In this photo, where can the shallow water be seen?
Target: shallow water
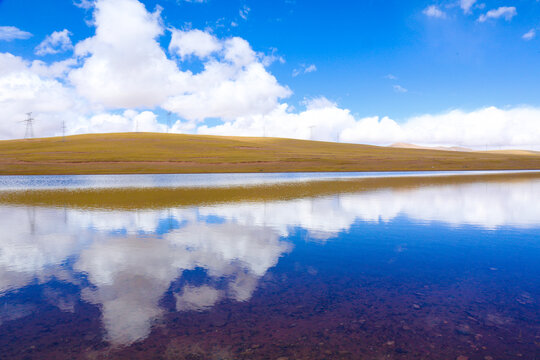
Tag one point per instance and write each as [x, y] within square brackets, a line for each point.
[433, 272]
[25, 182]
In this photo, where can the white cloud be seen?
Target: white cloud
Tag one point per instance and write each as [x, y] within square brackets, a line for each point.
[57, 69]
[506, 12]
[466, 5]
[130, 120]
[312, 123]
[24, 89]
[234, 81]
[390, 77]
[124, 66]
[434, 11]
[238, 52]
[55, 43]
[34, 87]
[193, 42]
[399, 89]
[235, 84]
[11, 64]
[529, 35]
[9, 33]
[493, 127]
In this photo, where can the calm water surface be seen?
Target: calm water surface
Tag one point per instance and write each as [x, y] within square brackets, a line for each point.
[10, 182]
[434, 272]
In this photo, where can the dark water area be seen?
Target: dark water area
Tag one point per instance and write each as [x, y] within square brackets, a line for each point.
[435, 272]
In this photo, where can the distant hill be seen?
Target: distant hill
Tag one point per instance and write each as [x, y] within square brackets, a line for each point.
[124, 153]
[515, 152]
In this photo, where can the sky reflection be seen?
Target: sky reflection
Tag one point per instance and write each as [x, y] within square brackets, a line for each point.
[125, 261]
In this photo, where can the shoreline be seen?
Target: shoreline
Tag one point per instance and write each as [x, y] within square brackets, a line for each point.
[397, 171]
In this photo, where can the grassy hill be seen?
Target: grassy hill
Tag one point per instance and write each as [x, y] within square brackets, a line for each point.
[124, 153]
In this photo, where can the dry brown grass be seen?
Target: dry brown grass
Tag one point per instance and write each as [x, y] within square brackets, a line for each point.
[131, 153]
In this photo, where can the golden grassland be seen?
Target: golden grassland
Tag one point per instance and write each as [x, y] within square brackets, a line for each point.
[138, 153]
[159, 198]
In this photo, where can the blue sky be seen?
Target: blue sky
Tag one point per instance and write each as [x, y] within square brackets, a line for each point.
[395, 59]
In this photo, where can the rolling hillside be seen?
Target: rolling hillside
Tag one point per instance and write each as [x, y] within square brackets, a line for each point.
[124, 153]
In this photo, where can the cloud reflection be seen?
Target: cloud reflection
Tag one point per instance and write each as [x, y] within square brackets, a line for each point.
[131, 258]
[487, 205]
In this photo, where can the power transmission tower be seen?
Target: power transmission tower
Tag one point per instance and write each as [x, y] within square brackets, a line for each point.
[311, 132]
[63, 131]
[168, 121]
[29, 121]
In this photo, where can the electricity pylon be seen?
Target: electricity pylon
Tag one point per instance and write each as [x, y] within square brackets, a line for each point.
[29, 121]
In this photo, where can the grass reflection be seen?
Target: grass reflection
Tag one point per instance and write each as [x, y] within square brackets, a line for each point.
[158, 198]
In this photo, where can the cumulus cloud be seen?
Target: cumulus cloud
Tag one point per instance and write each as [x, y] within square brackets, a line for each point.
[529, 35]
[193, 42]
[9, 33]
[58, 69]
[23, 90]
[124, 65]
[34, 87]
[130, 120]
[434, 11]
[506, 12]
[55, 43]
[234, 83]
[490, 126]
[309, 124]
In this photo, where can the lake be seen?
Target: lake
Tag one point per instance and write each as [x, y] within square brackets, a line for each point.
[420, 268]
